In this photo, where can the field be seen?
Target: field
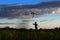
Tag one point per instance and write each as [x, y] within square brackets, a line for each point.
[24, 34]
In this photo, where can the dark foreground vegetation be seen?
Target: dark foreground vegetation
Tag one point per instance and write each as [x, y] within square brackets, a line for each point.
[24, 34]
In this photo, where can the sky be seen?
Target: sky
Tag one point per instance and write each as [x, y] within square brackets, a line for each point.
[44, 20]
[22, 1]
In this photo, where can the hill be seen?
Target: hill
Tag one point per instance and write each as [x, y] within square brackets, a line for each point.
[24, 34]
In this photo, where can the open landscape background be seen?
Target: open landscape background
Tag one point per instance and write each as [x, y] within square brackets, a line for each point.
[18, 23]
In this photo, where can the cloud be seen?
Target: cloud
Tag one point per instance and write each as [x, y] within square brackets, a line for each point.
[9, 13]
[57, 0]
[6, 23]
[43, 20]
[15, 11]
[24, 13]
[39, 5]
[48, 20]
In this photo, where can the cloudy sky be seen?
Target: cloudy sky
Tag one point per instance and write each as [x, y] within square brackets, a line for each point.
[22, 1]
[12, 15]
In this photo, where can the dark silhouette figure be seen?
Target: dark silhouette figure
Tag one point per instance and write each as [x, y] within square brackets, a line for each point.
[36, 25]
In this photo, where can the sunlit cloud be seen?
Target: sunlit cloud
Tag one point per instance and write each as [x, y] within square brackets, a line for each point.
[53, 12]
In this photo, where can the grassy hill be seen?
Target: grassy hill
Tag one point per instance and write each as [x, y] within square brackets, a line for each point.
[24, 34]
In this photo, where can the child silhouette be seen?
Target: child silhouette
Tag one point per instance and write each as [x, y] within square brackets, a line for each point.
[35, 25]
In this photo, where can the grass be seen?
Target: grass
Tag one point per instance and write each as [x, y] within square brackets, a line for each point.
[24, 34]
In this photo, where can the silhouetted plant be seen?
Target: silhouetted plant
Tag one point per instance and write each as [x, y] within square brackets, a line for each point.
[56, 28]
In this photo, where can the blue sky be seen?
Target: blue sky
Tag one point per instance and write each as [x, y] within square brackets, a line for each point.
[22, 1]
